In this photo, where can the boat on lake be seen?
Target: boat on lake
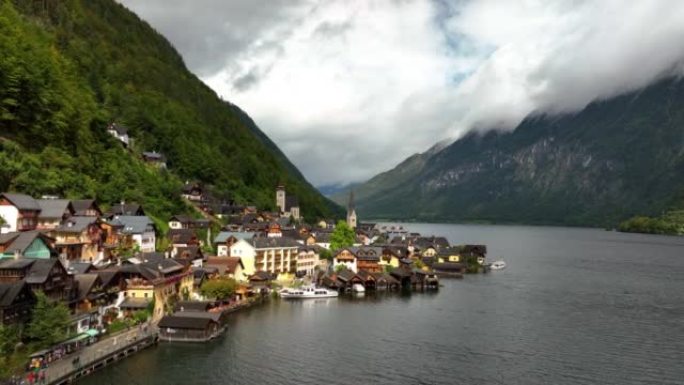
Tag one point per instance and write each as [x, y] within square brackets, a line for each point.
[307, 292]
[358, 288]
[498, 265]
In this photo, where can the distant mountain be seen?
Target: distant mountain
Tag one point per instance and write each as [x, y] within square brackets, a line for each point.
[70, 68]
[333, 190]
[612, 160]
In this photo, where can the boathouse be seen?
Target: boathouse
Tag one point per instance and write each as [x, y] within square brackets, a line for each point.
[190, 326]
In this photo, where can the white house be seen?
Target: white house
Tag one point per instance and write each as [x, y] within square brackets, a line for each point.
[247, 253]
[345, 257]
[119, 132]
[19, 212]
[141, 229]
[225, 239]
[307, 260]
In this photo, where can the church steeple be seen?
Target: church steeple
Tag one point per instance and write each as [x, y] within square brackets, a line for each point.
[351, 211]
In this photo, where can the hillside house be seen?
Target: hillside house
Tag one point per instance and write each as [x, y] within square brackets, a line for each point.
[154, 159]
[79, 239]
[19, 211]
[27, 244]
[46, 275]
[120, 133]
[53, 212]
[141, 230]
[86, 208]
[16, 303]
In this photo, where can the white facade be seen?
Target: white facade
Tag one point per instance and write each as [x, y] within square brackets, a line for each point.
[10, 215]
[280, 198]
[123, 138]
[146, 241]
[307, 262]
[175, 225]
[351, 265]
[247, 253]
[223, 251]
[277, 260]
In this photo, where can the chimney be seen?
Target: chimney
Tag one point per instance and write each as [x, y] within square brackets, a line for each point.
[16, 254]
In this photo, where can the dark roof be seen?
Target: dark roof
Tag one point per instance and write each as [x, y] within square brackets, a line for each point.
[80, 267]
[436, 242]
[86, 282]
[107, 277]
[76, 224]
[20, 241]
[132, 209]
[185, 322]
[153, 256]
[10, 291]
[182, 218]
[134, 224]
[153, 269]
[22, 201]
[181, 236]
[40, 270]
[121, 130]
[261, 276]
[135, 303]
[54, 208]
[82, 205]
[154, 156]
[274, 242]
[225, 265]
[290, 202]
[189, 252]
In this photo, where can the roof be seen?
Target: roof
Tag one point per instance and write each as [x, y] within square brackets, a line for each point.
[54, 208]
[261, 276]
[182, 218]
[135, 303]
[10, 291]
[40, 270]
[225, 265]
[22, 201]
[82, 205]
[152, 155]
[80, 267]
[189, 252]
[181, 322]
[20, 241]
[121, 130]
[214, 316]
[77, 224]
[223, 236]
[136, 224]
[86, 282]
[107, 277]
[274, 242]
[181, 236]
[132, 209]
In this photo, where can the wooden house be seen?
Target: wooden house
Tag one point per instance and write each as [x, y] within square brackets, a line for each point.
[53, 212]
[28, 244]
[79, 238]
[46, 275]
[16, 302]
[19, 211]
[86, 208]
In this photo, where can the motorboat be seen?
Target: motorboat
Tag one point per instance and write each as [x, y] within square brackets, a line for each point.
[358, 288]
[307, 292]
[498, 265]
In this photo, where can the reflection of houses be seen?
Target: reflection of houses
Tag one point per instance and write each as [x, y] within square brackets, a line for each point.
[16, 302]
[28, 244]
[157, 280]
[46, 275]
[78, 238]
[53, 212]
[19, 211]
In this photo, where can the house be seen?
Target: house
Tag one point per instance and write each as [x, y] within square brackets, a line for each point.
[86, 208]
[225, 239]
[190, 326]
[308, 259]
[46, 275]
[193, 192]
[274, 230]
[119, 132]
[391, 255]
[19, 211]
[181, 222]
[188, 255]
[79, 239]
[91, 294]
[141, 229]
[155, 281]
[275, 255]
[129, 209]
[182, 237]
[345, 257]
[244, 249]
[53, 212]
[155, 159]
[112, 239]
[323, 239]
[231, 267]
[16, 302]
[28, 244]
[368, 259]
[260, 280]
[385, 281]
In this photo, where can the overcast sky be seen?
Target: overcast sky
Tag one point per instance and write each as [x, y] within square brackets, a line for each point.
[349, 88]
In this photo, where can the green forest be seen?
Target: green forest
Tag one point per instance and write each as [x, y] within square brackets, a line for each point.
[70, 68]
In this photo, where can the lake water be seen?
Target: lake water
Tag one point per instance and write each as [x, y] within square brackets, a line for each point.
[574, 306]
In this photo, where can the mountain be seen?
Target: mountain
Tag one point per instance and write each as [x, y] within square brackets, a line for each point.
[70, 68]
[614, 159]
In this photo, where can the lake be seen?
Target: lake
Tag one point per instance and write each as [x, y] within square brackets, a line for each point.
[574, 306]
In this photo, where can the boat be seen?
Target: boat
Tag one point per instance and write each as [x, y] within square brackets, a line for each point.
[498, 265]
[358, 288]
[307, 292]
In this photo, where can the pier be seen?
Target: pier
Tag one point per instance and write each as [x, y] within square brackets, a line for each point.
[100, 354]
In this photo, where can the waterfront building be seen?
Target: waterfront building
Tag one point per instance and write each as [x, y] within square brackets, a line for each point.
[275, 255]
[308, 259]
[345, 257]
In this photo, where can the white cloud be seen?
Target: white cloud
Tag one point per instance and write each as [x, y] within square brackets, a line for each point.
[350, 88]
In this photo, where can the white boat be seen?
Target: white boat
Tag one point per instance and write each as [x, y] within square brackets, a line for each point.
[498, 265]
[307, 292]
[358, 288]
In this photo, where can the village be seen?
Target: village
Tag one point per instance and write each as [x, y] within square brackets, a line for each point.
[116, 269]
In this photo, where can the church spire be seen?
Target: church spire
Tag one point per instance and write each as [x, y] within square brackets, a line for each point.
[351, 206]
[351, 211]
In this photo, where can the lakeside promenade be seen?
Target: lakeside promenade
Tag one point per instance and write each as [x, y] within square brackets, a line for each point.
[98, 354]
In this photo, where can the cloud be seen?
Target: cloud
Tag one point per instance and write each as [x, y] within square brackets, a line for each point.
[350, 88]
